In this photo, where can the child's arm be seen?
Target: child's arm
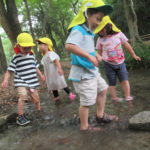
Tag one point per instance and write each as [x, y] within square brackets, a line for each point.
[78, 51]
[129, 49]
[58, 65]
[40, 74]
[99, 57]
[6, 78]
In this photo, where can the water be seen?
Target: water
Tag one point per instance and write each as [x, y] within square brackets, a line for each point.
[49, 134]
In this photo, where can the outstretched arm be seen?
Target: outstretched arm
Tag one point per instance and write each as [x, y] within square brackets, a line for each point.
[6, 78]
[129, 49]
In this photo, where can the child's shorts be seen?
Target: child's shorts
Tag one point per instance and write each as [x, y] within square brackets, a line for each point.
[114, 71]
[28, 94]
[88, 89]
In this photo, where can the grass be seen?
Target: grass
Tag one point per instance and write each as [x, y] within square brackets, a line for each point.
[142, 50]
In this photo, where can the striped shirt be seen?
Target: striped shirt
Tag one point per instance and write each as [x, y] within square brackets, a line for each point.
[24, 67]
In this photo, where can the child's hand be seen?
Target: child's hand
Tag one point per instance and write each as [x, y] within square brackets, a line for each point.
[136, 57]
[42, 77]
[4, 84]
[60, 71]
[99, 58]
[93, 60]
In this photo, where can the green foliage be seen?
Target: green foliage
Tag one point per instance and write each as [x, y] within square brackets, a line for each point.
[142, 50]
[7, 47]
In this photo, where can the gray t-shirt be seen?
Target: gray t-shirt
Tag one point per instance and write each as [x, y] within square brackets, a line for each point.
[83, 37]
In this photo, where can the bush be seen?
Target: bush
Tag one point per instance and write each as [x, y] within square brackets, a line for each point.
[142, 50]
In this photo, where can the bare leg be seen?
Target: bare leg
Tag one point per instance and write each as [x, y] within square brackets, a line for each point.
[21, 107]
[112, 90]
[101, 100]
[36, 99]
[84, 114]
[126, 88]
[38, 106]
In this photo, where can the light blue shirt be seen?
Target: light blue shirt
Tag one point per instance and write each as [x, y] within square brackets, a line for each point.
[82, 68]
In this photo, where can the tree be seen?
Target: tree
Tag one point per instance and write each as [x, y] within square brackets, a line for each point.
[51, 19]
[131, 20]
[31, 28]
[9, 19]
[3, 62]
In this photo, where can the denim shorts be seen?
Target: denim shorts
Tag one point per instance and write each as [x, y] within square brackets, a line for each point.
[115, 71]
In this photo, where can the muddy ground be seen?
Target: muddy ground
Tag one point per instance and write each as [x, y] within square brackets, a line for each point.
[60, 128]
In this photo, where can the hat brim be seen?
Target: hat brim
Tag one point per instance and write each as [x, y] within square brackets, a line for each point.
[49, 47]
[27, 44]
[106, 9]
[40, 41]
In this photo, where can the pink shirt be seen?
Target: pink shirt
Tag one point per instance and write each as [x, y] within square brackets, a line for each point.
[111, 47]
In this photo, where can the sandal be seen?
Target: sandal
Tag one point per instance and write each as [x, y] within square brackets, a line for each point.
[129, 98]
[92, 129]
[106, 118]
[72, 96]
[117, 99]
[57, 101]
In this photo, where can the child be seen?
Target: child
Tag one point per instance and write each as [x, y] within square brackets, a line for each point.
[25, 68]
[109, 45]
[87, 81]
[52, 69]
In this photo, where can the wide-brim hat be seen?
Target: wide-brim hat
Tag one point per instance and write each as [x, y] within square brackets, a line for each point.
[97, 4]
[25, 40]
[103, 23]
[46, 41]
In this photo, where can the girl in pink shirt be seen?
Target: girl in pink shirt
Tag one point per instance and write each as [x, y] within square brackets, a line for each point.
[109, 46]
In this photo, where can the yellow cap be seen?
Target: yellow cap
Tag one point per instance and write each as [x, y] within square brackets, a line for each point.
[98, 4]
[103, 23]
[25, 40]
[47, 41]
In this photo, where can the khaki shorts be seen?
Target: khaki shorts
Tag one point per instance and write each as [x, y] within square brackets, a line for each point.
[28, 94]
[89, 89]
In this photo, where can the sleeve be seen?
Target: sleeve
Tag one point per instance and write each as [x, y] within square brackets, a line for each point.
[53, 56]
[75, 37]
[12, 66]
[123, 38]
[98, 44]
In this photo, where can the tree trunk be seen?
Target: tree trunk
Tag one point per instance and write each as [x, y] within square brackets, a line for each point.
[38, 55]
[9, 19]
[3, 62]
[131, 20]
[47, 27]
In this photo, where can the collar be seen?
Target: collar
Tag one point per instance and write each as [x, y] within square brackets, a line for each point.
[86, 28]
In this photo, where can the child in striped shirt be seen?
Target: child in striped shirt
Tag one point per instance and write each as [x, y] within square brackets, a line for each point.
[25, 68]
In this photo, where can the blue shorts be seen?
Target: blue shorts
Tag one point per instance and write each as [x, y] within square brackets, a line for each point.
[115, 71]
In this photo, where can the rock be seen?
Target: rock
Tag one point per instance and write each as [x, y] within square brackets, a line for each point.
[3, 125]
[140, 121]
[11, 119]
